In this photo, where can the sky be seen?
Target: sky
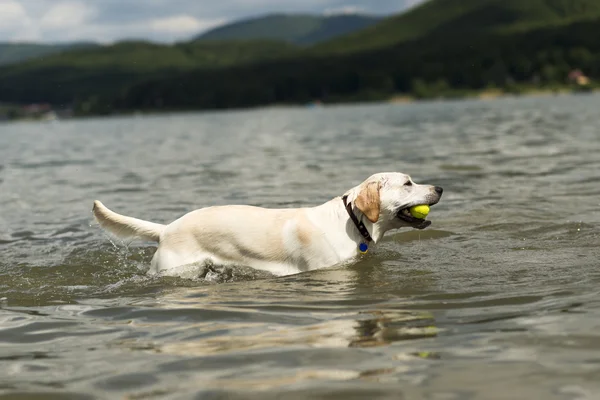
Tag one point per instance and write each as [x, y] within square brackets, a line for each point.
[107, 21]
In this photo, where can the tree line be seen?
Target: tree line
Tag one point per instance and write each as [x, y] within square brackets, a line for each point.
[443, 64]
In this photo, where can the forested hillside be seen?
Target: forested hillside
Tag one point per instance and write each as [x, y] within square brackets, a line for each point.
[441, 48]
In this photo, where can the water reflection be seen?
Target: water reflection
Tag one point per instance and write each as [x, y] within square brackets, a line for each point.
[323, 309]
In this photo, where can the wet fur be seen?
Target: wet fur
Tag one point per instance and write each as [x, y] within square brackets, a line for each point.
[280, 241]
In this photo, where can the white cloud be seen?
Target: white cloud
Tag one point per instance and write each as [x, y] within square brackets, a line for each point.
[11, 13]
[15, 23]
[75, 21]
[67, 15]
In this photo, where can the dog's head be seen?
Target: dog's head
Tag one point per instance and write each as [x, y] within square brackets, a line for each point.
[385, 198]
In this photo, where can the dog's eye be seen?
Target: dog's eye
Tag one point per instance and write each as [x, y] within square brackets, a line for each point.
[408, 183]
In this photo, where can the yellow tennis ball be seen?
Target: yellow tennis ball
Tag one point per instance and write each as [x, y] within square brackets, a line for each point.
[419, 211]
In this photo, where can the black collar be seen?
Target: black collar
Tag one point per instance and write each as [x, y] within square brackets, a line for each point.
[359, 225]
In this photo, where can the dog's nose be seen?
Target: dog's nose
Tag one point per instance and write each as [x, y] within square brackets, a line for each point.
[439, 190]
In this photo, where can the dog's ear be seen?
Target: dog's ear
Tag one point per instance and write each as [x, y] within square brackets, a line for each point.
[368, 201]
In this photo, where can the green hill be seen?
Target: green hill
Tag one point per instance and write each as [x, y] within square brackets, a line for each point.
[141, 56]
[454, 17]
[292, 28]
[11, 53]
[61, 78]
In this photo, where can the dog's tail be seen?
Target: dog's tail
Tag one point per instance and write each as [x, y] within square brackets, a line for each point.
[126, 227]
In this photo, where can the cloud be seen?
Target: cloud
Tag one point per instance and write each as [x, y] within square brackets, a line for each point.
[67, 15]
[11, 13]
[15, 24]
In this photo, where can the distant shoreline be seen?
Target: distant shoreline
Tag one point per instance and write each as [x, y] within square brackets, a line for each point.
[482, 95]
[493, 94]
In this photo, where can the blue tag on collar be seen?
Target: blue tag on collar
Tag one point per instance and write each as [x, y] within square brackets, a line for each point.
[363, 248]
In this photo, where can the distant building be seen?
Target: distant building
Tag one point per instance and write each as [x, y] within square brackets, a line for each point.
[36, 109]
[41, 111]
[577, 77]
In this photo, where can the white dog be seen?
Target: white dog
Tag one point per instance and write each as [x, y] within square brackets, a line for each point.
[281, 241]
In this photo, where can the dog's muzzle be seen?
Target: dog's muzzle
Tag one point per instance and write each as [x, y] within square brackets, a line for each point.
[419, 223]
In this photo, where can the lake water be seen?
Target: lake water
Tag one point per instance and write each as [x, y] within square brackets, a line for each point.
[498, 299]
